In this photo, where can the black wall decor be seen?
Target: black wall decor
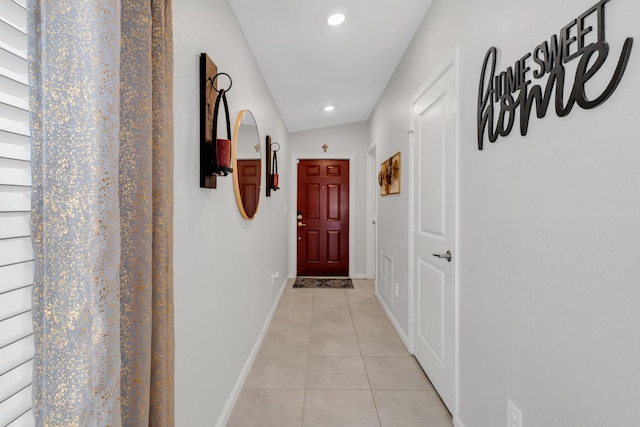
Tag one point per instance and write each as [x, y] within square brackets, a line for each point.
[502, 95]
[272, 166]
[215, 153]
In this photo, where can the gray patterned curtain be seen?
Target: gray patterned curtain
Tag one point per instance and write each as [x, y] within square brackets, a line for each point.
[101, 78]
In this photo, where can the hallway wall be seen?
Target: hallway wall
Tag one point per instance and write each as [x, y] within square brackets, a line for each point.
[342, 140]
[549, 224]
[223, 263]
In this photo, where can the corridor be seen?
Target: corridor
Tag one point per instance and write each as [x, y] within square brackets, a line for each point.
[332, 358]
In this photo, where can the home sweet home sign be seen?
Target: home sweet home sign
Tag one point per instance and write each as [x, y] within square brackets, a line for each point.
[516, 90]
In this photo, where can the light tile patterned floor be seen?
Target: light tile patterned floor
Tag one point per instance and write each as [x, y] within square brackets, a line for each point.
[332, 358]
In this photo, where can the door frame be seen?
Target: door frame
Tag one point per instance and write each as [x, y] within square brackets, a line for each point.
[371, 251]
[451, 61]
[293, 202]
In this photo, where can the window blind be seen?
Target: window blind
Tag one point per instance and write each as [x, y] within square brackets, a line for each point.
[16, 253]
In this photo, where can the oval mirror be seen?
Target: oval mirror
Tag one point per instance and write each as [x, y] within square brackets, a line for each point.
[246, 157]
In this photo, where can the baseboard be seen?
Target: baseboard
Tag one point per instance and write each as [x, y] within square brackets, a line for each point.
[237, 389]
[403, 336]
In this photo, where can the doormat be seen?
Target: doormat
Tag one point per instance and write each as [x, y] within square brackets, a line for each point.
[314, 282]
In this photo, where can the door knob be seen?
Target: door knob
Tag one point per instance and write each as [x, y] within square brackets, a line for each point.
[446, 256]
[300, 224]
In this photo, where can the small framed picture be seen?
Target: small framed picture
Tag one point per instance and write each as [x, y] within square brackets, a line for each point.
[389, 175]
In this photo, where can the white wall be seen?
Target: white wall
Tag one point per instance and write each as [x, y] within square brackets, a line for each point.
[549, 225]
[223, 263]
[342, 140]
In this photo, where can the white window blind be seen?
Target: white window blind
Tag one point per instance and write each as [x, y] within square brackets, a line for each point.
[16, 253]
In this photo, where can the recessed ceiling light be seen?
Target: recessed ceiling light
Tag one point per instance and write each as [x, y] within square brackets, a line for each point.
[336, 19]
[329, 108]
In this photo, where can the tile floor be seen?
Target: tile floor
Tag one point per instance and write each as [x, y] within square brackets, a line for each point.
[332, 358]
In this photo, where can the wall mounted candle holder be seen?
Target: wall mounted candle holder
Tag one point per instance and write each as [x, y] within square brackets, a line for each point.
[273, 183]
[215, 153]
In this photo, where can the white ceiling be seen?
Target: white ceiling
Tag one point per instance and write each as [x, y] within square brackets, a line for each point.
[308, 64]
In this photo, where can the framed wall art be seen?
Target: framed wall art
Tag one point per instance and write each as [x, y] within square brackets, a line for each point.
[389, 175]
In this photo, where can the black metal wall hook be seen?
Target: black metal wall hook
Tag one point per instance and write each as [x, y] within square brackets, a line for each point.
[213, 81]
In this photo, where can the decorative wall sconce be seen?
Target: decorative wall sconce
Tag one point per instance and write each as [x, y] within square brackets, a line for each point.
[215, 153]
[272, 166]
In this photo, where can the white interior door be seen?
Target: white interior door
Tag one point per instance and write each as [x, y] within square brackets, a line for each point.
[434, 233]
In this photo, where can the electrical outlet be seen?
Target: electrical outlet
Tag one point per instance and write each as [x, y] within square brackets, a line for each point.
[514, 415]
[395, 289]
[274, 276]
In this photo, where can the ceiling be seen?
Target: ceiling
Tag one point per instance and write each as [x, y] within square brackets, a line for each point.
[308, 64]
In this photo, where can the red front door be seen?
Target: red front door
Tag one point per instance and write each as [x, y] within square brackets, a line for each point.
[323, 218]
[249, 183]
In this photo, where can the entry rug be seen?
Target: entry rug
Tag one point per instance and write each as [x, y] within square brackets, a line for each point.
[314, 282]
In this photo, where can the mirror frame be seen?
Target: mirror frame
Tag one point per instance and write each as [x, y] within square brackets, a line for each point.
[236, 171]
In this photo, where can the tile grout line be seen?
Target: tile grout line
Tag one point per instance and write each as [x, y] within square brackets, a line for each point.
[366, 372]
[306, 369]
